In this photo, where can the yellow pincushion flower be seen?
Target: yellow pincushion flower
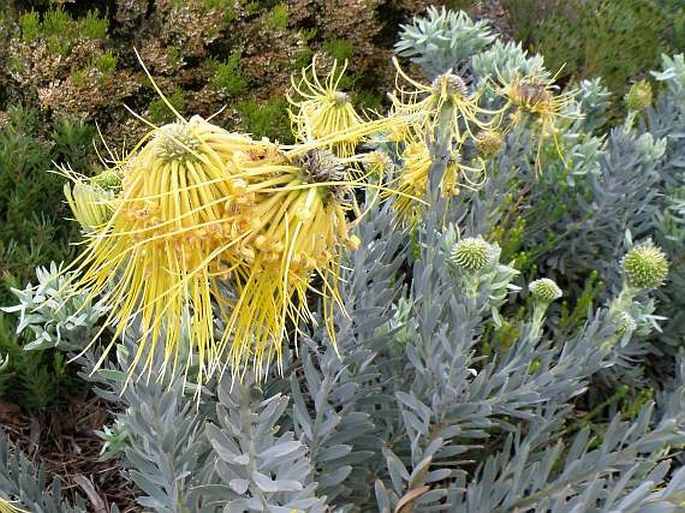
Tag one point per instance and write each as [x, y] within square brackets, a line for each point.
[301, 230]
[535, 96]
[153, 259]
[323, 109]
[445, 105]
[412, 182]
[201, 208]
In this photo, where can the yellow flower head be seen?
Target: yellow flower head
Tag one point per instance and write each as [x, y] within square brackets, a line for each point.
[412, 182]
[444, 106]
[201, 210]
[152, 258]
[299, 229]
[323, 109]
[535, 96]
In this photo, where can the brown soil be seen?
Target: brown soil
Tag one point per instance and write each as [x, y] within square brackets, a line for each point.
[64, 442]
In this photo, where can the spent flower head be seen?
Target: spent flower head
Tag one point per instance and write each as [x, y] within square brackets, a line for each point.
[489, 142]
[536, 97]
[645, 266]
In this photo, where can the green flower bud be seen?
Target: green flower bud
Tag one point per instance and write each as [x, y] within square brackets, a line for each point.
[471, 254]
[544, 290]
[625, 323]
[91, 205]
[639, 96]
[645, 266]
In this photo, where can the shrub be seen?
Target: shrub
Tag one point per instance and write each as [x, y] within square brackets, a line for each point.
[500, 349]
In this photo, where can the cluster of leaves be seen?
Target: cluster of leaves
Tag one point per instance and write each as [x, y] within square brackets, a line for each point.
[32, 207]
[34, 230]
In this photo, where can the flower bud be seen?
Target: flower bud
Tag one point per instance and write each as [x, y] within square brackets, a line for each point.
[639, 96]
[544, 290]
[645, 266]
[489, 142]
[90, 204]
[625, 323]
[449, 85]
[471, 254]
[108, 180]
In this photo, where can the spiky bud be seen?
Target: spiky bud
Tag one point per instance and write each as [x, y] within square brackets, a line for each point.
[449, 85]
[544, 290]
[472, 254]
[645, 266]
[108, 180]
[625, 323]
[639, 97]
[90, 204]
[489, 142]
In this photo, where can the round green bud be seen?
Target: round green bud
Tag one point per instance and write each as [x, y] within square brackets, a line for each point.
[645, 266]
[471, 254]
[639, 96]
[544, 290]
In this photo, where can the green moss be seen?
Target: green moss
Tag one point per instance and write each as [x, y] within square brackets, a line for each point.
[78, 77]
[106, 63]
[277, 17]
[29, 23]
[55, 23]
[227, 8]
[93, 27]
[269, 119]
[302, 59]
[339, 49]
[228, 76]
[175, 56]
[368, 99]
